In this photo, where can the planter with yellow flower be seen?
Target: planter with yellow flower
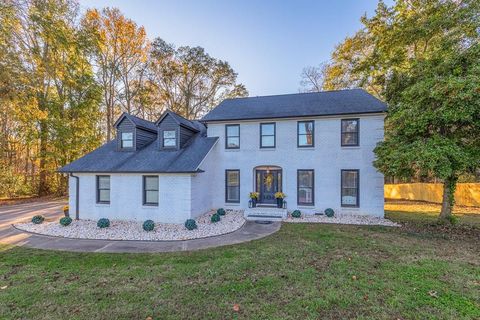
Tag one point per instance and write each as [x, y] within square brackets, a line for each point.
[280, 196]
[66, 210]
[253, 199]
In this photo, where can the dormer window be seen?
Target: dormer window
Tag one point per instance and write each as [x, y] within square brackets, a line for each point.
[169, 139]
[127, 140]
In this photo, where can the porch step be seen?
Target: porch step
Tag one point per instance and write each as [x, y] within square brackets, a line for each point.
[265, 214]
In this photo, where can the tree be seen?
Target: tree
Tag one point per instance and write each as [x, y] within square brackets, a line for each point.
[188, 80]
[120, 59]
[312, 78]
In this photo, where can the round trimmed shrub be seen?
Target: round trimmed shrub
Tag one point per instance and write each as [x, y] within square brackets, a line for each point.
[148, 225]
[296, 214]
[215, 218]
[329, 212]
[190, 224]
[65, 221]
[221, 211]
[38, 219]
[103, 223]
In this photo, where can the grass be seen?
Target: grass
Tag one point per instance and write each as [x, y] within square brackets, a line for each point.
[305, 271]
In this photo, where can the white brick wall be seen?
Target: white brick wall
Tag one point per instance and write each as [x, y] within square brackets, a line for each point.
[327, 158]
[126, 198]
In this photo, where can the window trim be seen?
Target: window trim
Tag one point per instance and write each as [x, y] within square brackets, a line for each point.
[226, 185]
[357, 205]
[163, 139]
[144, 191]
[97, 188]
[313, 188]
[226, 136]
[274, 135]
[357, 132]
[121, 140]
[303, 134]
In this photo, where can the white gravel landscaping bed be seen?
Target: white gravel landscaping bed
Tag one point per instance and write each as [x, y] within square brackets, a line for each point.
[132, 230]
[343, 219]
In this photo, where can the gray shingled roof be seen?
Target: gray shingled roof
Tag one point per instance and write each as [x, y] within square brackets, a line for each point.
[351, 101]
[142, 123]
[149, 159]
[194, 125]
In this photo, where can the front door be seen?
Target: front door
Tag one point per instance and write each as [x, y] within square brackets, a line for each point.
[268, 182]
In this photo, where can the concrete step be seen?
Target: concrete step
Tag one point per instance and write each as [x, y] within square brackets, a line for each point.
[265, 214]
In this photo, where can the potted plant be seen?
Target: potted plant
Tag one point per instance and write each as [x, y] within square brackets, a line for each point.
[280, 196]
[66, 210]
[254, 198]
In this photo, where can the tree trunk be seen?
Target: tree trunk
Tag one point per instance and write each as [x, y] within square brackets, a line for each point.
[448, 200]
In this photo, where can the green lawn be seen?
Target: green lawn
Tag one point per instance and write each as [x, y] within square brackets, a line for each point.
[301, 272]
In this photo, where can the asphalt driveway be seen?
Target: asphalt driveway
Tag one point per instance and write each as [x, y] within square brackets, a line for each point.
[52, 210]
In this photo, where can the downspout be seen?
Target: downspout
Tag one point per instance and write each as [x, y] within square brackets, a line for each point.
[77, 195]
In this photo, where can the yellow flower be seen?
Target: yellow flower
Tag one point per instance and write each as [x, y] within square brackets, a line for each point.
[65, 208]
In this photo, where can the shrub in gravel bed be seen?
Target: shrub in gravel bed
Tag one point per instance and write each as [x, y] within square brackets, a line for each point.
[215, 218]
[329, 212]
[65, 221]
[296, 214]
[148, 225]
[190, 224]
[103, 223]
[221, 211]
[38, 219]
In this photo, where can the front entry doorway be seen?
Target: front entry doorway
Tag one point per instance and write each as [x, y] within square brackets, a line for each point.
[268, 182]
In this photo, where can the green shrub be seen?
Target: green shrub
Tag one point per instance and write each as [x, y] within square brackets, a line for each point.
[296, 214]
[329, 212]
[453, 219]
[148, 225]
[190, 224]
[103, 223]
[221, 211]
[38, 219]
[215, 218]
[65, 221]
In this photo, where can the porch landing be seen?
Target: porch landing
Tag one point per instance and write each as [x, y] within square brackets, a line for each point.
[265, 214]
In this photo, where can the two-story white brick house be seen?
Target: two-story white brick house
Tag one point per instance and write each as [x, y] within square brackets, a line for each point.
[317, 148]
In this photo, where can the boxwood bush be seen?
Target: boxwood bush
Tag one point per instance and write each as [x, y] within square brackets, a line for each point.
[65, 221]
[38, 219]
[215, 218]
[221, 211]
[329, 212]
[296, 214]
[148, 225]
[190, 224]
[103, 223]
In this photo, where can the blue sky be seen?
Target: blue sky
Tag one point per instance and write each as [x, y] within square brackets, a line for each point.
[266, 42]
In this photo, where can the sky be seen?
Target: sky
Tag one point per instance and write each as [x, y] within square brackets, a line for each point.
[266, 42]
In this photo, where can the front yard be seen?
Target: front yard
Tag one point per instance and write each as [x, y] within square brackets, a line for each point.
[303, 271]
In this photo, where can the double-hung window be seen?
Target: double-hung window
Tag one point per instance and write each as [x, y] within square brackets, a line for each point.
[305, 133]
[350, 188]
[103, 189]
[150, 190]
[350, 132]
[232, 186]
[267, 135]
[305, 187]
[169, 139]
[232, 136]
[126, 139]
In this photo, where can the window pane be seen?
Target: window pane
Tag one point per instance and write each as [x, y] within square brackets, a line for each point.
[305, 195]
[233, 131]
[268, 129]
[305, 179]
[104, 182]
[349, 179]
[104, 195]
[169, 142]
[349, 125]
[127, 143]
[268, 141]
[151, 196]
[127, 135]
[349, 196]
[169, 134]
[151, 183]
[233, 193]
[305, 127]
[349, 138]
[232, 178]
[305, 140]
[233, 142]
